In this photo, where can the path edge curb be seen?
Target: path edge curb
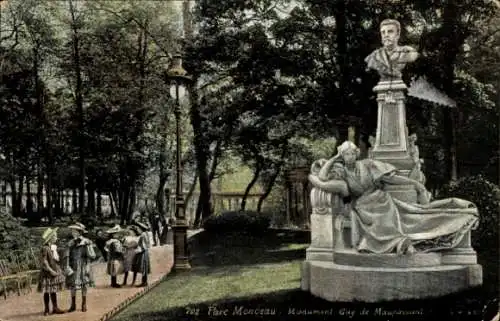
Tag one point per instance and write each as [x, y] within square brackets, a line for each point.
[128, 301]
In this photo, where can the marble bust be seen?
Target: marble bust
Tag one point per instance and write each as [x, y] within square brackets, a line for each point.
[391, 59]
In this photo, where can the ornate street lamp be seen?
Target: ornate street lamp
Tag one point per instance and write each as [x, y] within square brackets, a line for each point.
[177, 78]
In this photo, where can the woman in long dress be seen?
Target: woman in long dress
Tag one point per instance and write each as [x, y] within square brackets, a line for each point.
[130, 243]
[142, 263]
[51, 279]
[383, 224]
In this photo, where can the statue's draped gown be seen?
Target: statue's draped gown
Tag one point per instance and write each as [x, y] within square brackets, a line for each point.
[383, 224]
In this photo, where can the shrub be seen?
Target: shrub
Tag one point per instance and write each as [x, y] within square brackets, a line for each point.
[486, 196]
[13, 235]
[235, 221]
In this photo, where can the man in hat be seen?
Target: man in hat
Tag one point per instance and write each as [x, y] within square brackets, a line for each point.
[142, 263]
[115, 254]
[155, 222]
[51, 279]
[80, 254]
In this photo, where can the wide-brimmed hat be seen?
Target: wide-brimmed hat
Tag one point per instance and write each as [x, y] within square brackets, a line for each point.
[78, 226]
[141, 225]
[115, 229]
[48, 233]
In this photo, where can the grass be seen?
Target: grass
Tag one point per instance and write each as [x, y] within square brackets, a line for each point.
[257, 277]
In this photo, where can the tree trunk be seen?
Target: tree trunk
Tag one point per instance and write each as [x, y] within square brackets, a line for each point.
[269, 187]
[215, 159]
[74, 207]
[29, 208]
[160, 195]
[13, 196]
[456, 38]
[48, 193]
[125, 192]
[112, 203]
[255, 177]
[201, 154]
[20, 194]
[79, 103]
[91, 199]
[39, 187]
[99, 203]
[131, 202]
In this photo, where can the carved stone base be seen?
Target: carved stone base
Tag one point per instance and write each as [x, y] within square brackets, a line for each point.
[353, 258]
[346, 283]
[319, 254]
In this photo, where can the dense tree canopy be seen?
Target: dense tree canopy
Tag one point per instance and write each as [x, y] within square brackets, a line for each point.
[84, 103]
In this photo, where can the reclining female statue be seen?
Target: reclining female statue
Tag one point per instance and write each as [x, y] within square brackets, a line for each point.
[383, 224]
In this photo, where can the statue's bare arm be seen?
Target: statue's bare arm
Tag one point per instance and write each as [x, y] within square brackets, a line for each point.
[334, 186]
[423, 194]
[325, 169]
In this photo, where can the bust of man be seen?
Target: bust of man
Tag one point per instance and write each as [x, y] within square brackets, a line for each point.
[391, 59]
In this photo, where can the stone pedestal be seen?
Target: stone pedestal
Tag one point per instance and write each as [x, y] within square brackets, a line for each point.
[347, 283]
[391, 140]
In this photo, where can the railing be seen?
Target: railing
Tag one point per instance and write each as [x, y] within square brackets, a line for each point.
[221, 201]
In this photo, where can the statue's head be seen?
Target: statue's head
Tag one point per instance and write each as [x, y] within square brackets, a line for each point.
[390, 31]
[349, 152]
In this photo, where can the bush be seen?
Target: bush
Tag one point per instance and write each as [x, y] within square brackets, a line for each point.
[486, 196]
[13, 235]
[236, 221]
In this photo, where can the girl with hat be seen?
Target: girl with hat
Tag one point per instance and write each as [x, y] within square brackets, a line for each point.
[51, 278]
[115, 254]
[142, 263]
[80, 254]
[130, 243]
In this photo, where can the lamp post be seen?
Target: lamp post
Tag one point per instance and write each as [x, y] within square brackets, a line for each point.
[178, 78]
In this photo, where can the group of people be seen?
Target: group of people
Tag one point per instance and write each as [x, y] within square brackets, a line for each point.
[128, 253]
[126, 250]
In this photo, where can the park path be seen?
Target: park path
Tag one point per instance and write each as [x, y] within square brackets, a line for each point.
[100, 299]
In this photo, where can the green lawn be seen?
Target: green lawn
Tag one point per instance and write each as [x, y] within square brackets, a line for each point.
[257, 277]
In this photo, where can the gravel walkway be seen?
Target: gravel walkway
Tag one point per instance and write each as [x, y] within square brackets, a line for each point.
[100, 299]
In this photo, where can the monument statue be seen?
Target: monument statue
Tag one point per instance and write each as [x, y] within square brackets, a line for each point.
[383, 224]
[391, 59]
[391, 241]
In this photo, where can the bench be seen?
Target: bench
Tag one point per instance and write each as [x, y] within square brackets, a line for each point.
[18, 268]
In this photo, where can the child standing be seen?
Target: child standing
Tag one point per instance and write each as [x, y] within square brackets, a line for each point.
[80, 254]
[115, 254]
[51, 278]
[142, 263]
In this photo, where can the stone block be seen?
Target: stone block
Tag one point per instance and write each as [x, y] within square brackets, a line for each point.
[322, 231]
[319, 254]
[305, 276]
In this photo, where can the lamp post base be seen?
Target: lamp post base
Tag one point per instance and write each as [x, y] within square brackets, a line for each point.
[181, 256]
